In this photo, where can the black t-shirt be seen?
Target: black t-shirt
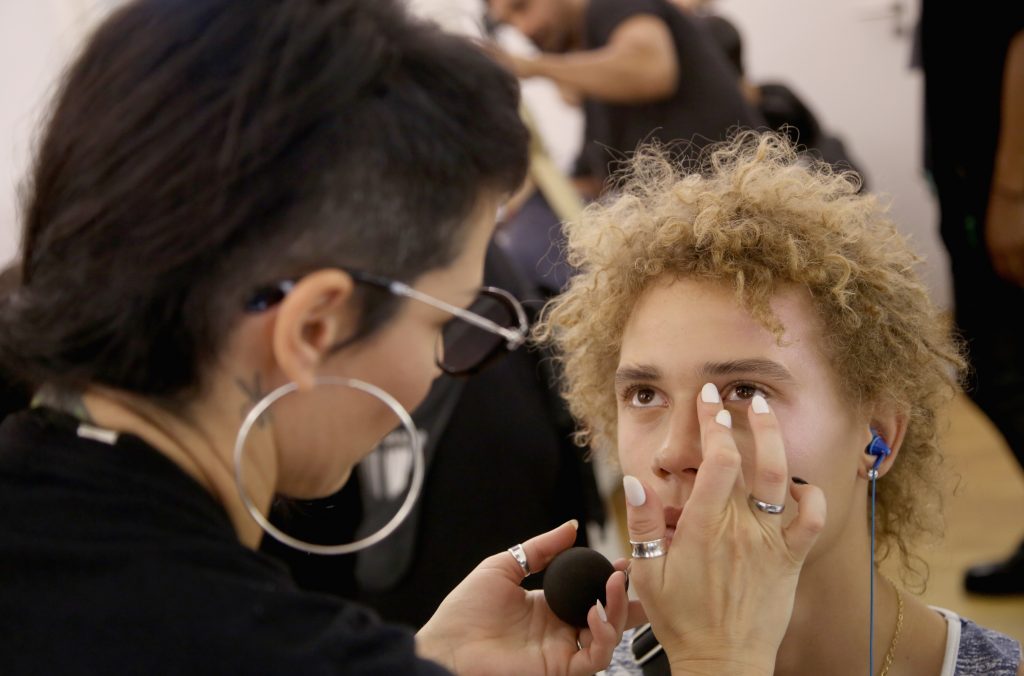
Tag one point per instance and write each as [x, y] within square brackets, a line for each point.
[113, 561]
[707, 103]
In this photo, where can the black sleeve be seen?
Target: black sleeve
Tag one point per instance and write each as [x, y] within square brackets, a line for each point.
[320, 635]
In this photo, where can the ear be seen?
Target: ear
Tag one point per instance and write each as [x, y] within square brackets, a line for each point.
[891, 426]
[314, 316]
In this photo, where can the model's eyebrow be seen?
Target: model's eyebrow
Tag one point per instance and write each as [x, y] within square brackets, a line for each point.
[634, 372]
[761, 367]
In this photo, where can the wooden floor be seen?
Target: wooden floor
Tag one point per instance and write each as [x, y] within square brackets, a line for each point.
[984, 520]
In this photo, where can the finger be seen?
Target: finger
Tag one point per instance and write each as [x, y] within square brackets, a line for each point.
[617, 606]
[645, 515]
[599, 640]
[771, 475]
[539, 551]
[801, 533]
[720, 472]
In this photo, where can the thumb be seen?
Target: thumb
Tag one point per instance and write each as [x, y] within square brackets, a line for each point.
[645, 516]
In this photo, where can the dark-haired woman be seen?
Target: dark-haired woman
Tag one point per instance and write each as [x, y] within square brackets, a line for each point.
[249, 223]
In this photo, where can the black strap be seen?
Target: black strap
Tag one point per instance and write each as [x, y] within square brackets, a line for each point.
[648, 652]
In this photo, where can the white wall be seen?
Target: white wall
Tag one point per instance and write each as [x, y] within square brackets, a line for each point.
[850, 60]
[841, 55]
[37, 38]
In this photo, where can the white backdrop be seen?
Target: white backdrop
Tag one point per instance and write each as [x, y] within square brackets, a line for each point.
[850, 60]
[37, 37]
[844, 57]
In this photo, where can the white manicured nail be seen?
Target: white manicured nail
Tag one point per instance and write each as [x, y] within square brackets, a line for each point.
[634, 490]
[723, 418]
[759, 404]
[600, 612]
[709, 394]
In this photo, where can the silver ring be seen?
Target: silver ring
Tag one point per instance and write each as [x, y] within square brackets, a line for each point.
[766, 507]
[519, 554]
[650, 549]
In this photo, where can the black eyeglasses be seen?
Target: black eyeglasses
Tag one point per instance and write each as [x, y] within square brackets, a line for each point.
[494, 324]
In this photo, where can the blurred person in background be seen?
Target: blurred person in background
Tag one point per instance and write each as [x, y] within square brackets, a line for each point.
[973, 64]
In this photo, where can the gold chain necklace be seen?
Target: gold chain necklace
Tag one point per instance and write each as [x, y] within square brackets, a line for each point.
[891, 654]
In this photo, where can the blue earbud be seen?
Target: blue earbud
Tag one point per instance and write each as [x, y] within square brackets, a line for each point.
[878, 448]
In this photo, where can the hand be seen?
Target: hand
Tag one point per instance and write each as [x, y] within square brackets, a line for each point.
[1004, 234]
[490, 624]
[721, 599]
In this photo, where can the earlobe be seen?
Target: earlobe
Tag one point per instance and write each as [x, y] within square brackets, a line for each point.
[315, 315]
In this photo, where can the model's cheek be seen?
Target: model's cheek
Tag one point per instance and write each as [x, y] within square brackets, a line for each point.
[634, 456]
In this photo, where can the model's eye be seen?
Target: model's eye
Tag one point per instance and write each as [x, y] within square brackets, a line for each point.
[743, 392]
[641, 396]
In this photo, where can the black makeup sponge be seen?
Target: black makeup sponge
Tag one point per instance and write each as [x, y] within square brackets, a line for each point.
[574, 581]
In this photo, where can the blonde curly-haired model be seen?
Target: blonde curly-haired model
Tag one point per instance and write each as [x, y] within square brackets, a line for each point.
[758, 220]
[781, 284]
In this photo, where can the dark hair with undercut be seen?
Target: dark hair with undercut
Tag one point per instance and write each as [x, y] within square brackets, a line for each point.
[198, 150]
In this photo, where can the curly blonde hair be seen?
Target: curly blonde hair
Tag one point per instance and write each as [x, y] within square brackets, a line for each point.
[758, 216]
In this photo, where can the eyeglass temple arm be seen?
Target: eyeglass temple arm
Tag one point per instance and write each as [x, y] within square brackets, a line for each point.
[514, 338]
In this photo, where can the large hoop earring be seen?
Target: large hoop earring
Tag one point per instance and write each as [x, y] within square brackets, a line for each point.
[416, 483]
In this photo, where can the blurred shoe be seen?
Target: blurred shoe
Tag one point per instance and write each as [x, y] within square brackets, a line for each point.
[998, 579]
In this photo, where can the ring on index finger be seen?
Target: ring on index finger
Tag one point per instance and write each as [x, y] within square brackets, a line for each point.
[766, 507]
[519, 554]
[649, 549]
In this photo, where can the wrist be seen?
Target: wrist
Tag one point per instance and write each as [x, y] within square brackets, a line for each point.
[719, 667]
[428, 647]
[714, 667]
[722, 657]
[529, 66]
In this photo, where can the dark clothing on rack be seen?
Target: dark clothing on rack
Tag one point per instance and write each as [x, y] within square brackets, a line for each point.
[113, 561]
[784, 111]
[706, 105]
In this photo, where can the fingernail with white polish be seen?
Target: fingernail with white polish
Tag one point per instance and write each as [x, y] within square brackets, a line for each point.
[600, 612]
[634, 490]
[759, 404]
[709, 394]
[723, 418]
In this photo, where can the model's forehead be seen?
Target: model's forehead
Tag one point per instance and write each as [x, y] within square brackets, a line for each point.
[689, 321]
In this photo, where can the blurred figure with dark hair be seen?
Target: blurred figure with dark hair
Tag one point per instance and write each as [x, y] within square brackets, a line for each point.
[973, 66]
[643, 69]
[780, 106]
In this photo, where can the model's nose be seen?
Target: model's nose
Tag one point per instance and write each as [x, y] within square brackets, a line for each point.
[680, 448]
